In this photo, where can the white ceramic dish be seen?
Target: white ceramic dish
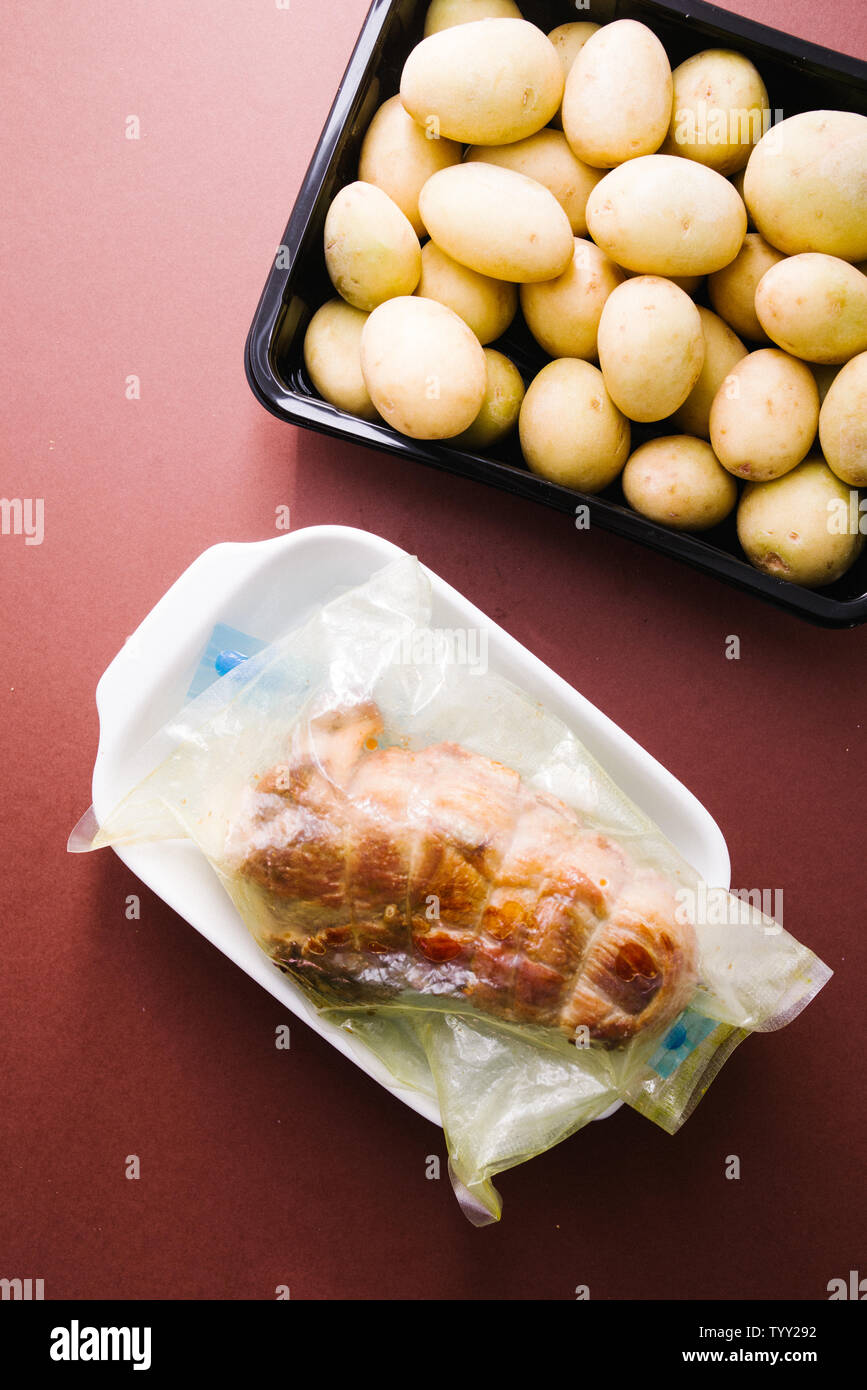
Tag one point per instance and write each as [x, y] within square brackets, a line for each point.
[265, 589]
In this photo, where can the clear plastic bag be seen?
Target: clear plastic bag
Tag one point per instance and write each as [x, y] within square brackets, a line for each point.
[445, 871]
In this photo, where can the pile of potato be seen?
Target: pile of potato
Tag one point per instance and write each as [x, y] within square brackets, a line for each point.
[576, 175]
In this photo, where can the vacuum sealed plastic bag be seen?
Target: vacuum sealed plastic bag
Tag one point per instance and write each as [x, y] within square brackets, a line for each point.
[442, 868]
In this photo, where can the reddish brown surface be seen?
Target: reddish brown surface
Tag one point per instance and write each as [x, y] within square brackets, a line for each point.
[262, 1167]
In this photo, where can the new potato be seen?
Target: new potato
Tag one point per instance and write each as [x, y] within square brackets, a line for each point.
[424, 368]
[617, 102]
[722, 349]
[563, 314]
[690, 283]
[497, 222]
[547, 158]
[332, 356]
[843, 423]
[786, 526]
[806, 184]
[483, 83]
[815, 307]
[648, 164]
[443, 14]
[487, 306]
[732, 290]
[720, 110]
[679, 482]
[500, 407]
[568, 40]
[662, 215]
[398, 157]
[651, 347]
[764, 416]
[371, 250]
[571, 431]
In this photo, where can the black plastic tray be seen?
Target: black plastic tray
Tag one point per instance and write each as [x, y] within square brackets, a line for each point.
[799, 77]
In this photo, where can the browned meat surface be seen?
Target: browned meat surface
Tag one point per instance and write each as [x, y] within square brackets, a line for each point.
[441, 871]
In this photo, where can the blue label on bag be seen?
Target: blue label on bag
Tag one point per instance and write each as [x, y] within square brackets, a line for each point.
[226, 649]
[682, 1038]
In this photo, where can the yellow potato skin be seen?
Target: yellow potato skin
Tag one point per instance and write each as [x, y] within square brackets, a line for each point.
[784, 528]
[424, 368]
[719, 110]
[690, 283]
[806, 185]
[371, 250]
[843, 423]
[617, 101]
[568, 40]
[444, 14]
[563, 314]
[497, 222]
[722, 350]
[501, 406]
[398, 157]
[732, 290]
[547, 158]
[764, 416]
[485, 83]
[332, 356]
[651, 347]
[814, 307]
[662, 215]
[486, 305]
[679, 482]
[571, 431]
